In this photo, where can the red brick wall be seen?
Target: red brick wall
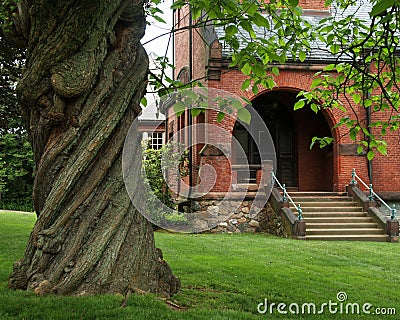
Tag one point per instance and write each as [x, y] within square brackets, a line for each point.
[312, 170]
[223, 173]
[200, 51]
[313, 4]
[386, 169]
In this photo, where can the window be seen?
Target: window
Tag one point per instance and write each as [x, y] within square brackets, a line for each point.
[157, 140]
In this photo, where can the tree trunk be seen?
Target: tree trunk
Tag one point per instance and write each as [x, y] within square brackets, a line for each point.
[85, 75]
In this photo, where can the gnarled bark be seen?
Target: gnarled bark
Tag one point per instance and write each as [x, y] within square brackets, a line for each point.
[85, 74]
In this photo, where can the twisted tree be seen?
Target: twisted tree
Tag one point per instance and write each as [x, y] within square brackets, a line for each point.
[84, 76]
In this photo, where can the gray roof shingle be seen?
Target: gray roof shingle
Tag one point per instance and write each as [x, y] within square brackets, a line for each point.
[318, 52]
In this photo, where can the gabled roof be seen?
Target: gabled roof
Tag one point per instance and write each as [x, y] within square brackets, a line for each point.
[318, 52]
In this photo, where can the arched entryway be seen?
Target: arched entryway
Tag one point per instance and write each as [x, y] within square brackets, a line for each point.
[292, 131]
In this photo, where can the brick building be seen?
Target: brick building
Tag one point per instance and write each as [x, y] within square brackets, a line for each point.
[200, 54]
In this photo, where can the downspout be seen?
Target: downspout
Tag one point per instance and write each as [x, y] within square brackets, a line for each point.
[173, 70]
[370, 176]
[369, 162]
[189, 113]
[173, 39]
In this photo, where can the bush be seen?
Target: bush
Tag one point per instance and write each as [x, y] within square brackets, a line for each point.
[153, 173]
[16, 172]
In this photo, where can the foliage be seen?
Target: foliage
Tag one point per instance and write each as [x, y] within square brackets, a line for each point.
[369, 77]
[16, 157]
[16, 172]
[155, 166]
[225, 276]
[263, 35]
[11, 64]
[154, 173]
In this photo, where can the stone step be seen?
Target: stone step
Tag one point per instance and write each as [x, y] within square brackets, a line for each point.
[343, 225]
[332, 214]
[335, 216]
[316, 194]
[358, 237]
[321, 199]
[344, 231]
[332, 209]
[310, 204]
[337, 220]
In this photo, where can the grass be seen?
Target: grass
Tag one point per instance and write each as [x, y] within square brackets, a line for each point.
[225, 277]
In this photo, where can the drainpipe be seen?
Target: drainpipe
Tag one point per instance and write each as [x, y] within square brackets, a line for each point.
[173, 39]
[189, 113]
[369, 161]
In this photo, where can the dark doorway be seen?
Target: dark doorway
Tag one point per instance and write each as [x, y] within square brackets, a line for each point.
[292, 131]
[279, 119]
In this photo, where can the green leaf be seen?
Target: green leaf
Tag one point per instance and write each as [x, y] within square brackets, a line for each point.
[220, 116]
[353, 134]
[195, 112]
[330, 67]
[193, 96]
[381, 6]
[367, 103]
[244, 115]
[370, 155]
[316, 82]
[237, 104]
[313, 141]
[179, 108]
[314, 107]
[302, 56]
[246, 69]
[366, 132]
[246, 25]
[261, 21]
[231, 30]
[329, 39]
[270, 83]
[159, 19]
[246, 84]
[259, 71]
[178, 4]
[299, 104]
[356, 98]
[335, 48]
[275, 71]
[294, 3]
[360, 149]
[254, 89]
[143, 102]
[382, 149]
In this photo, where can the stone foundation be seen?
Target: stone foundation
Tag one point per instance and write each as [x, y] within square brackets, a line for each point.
[240, 221]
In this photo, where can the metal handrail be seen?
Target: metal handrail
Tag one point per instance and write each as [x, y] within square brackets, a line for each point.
[372, 193]
[286, 196]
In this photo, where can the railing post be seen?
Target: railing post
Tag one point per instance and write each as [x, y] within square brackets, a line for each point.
[300, 212]
[371, 193]
[393, 214]
[272, 177]
[284, 193]
[353, 181]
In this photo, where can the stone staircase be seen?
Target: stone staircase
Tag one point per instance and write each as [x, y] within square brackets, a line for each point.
[335, 216]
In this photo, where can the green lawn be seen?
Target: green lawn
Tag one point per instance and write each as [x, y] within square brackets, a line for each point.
[226, 277]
